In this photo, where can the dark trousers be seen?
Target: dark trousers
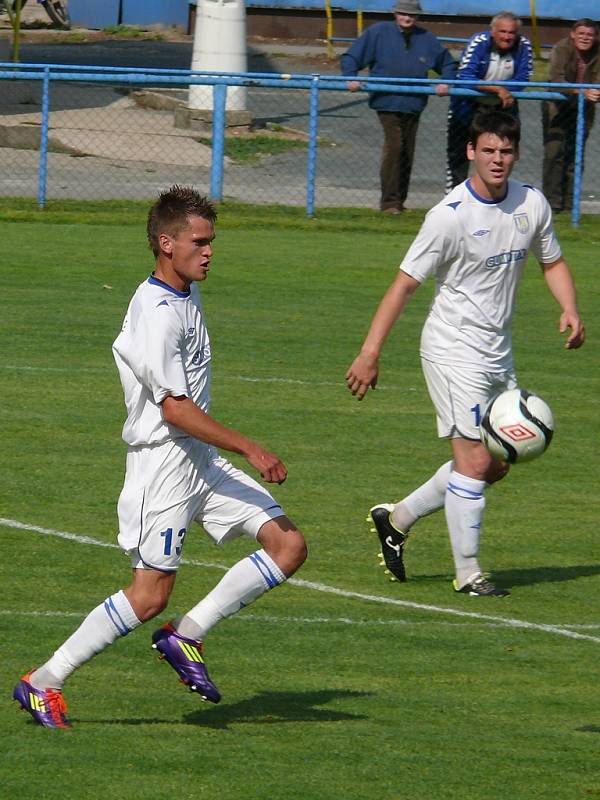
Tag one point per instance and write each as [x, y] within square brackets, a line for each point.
[560, 125]
[457, 136]
[399, 137]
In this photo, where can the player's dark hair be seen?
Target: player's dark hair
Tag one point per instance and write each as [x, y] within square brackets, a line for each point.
[170, 213]
[503, 125]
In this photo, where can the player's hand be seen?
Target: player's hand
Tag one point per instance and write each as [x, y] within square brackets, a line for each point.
[506, 97]
[354, 86]
[363, 373]
[577, 335]
[442, 89]
[270, 466]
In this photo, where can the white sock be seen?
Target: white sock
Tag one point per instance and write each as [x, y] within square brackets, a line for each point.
[245, 582]
[107, 622]
[429, 497]
[464, 506]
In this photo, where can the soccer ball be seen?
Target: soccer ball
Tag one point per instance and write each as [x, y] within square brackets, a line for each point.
[517, 426]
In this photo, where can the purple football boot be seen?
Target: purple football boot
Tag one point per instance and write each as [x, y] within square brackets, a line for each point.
[185, 656]
[47, 707]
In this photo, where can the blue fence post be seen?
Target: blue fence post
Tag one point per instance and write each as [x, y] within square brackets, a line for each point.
[43, 169]
[579, 143]
[311, 169]
[218, 141]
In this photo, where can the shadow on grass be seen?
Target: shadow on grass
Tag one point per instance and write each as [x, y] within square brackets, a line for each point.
[524, 577]
[527, 577]
[265, 708]
[589, 729]
[277, 707]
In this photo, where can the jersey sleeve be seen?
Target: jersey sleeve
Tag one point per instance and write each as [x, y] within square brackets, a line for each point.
[160, 342]
[434, 245]
[545, 246]
[360, 54]
[524, 66]
[473, 59]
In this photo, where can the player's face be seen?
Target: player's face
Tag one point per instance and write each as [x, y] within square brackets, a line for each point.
[583, 38]
[504, 34]
[493, 159]
[188, 253]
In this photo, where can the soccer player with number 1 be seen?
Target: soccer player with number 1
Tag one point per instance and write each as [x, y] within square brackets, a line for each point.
[475, 243]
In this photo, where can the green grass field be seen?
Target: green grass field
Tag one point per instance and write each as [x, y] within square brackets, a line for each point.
[339, 684]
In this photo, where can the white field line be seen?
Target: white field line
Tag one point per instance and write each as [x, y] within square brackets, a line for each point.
[243, 378]
[556, 630]
[279, 620]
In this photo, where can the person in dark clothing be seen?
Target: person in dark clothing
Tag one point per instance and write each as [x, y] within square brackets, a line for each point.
[501, 54]
[574, 59]
[399, 49]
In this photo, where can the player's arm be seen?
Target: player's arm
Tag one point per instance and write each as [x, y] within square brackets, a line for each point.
[524, 61]
[185, 415]
[364, 369]
[502, 93]
[562, 287]
[445, 66]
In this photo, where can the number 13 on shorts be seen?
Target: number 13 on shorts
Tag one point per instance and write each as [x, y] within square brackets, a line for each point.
[168, 541]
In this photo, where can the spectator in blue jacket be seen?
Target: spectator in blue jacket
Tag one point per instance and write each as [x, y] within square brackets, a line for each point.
[500, 54]
[399, 49]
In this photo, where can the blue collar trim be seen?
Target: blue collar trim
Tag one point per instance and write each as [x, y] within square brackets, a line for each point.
[157, 282]
[483, 199]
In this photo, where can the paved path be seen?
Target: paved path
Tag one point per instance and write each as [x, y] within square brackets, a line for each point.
[131, 150]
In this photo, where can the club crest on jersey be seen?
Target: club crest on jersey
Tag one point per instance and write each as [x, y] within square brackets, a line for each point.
[522, 222]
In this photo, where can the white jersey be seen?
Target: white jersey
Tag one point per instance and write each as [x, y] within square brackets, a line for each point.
[477, 250]
[163, 349]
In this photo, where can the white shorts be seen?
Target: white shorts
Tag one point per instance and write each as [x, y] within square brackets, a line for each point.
[170, 485]
[460, 396]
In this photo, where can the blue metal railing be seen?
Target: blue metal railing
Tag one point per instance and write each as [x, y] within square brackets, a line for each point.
[450, 39]
[315, 83]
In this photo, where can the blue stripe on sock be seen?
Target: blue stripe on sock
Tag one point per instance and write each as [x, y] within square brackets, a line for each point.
[264, 570]
[115, 617]
[461, 491]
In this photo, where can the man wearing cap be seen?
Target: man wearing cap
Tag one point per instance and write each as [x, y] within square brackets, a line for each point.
[574, 59]
[399, 49]
[500, 54]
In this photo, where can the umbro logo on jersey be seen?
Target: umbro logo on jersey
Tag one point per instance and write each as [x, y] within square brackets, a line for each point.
[162, 303]
[202, 355]
[481, 232]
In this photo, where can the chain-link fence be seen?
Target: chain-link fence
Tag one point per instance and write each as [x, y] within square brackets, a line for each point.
[304, 141]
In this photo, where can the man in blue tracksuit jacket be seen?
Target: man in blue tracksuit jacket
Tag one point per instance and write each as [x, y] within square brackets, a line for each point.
[500, 54]
[398, 49]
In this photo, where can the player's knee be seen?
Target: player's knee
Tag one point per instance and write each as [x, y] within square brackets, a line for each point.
[151, 608]
[285, 544]
[149, 593]
[497, 471]
[298, 549]
[291, 552]
[481, 465]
